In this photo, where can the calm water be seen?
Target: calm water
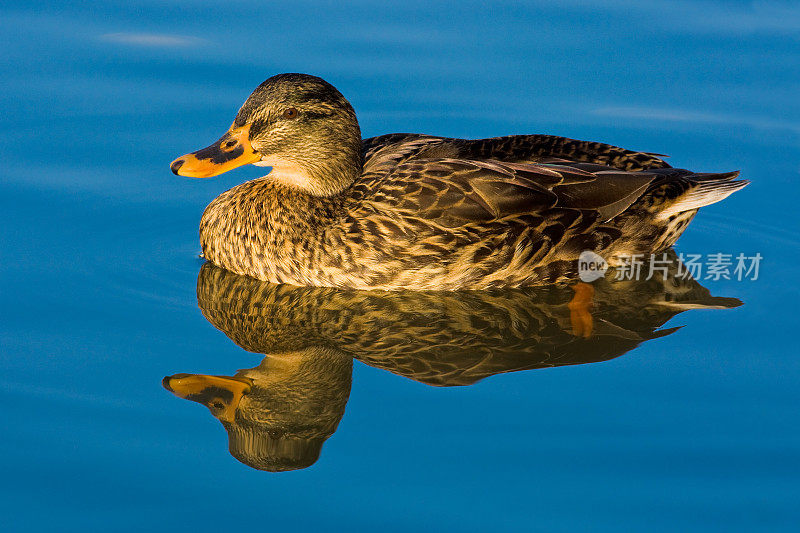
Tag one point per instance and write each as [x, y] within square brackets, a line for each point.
[103, 293]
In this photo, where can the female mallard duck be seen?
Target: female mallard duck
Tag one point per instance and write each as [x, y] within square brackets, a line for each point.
[422, 212]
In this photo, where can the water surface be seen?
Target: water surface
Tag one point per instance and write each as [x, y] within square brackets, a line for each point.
[693, 430]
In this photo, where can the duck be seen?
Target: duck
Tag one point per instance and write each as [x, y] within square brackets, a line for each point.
[423, 212]
[279, 413]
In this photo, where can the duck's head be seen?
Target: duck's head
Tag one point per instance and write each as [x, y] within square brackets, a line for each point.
[299, 125]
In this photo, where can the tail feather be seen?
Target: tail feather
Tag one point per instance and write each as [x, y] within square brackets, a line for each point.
[713, 176]
[705, 189]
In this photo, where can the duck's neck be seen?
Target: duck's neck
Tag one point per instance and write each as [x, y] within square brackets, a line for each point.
[318, 169]
[325, 180]
[336, 174]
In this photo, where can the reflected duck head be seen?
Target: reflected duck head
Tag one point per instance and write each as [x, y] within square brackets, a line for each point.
[278, 414]
[298, 124]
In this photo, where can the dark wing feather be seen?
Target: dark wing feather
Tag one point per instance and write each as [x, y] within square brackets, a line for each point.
[457, 192]
[609, 193]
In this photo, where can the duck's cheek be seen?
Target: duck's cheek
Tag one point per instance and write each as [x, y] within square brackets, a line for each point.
[231, 150]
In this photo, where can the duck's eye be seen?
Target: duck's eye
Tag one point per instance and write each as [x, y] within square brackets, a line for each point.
[290, 113]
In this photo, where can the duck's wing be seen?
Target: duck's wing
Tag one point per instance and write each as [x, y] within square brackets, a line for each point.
[544, 149]
[454, 193]
[555, 150]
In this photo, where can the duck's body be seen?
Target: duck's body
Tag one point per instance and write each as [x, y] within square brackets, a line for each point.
[409, 211]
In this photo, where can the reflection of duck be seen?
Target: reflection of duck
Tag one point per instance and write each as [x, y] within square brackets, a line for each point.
[279, 413]
[409, 211]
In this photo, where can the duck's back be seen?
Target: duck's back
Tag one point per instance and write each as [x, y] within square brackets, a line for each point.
[511, 148]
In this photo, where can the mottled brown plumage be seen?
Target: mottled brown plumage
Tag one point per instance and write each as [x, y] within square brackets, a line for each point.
[310, 335]
[447, 338]
[429, 213]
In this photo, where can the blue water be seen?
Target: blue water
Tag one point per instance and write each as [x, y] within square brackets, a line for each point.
[697, 431]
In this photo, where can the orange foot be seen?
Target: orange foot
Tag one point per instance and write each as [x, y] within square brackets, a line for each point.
[579, 310]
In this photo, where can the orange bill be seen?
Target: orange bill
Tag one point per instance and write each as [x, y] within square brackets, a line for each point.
[230, 151]
[221, 394]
